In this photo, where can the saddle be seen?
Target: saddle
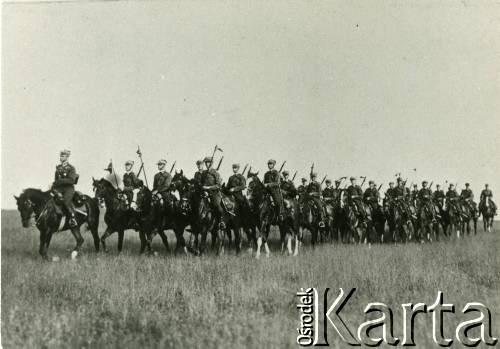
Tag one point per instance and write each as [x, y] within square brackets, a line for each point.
[228, 204]
[78, 202]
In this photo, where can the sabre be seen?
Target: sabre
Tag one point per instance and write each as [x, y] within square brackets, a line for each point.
[139, 153]
[294, 175]
[312, 168]
[380, 186]
[244, 169]
[430, 186]
[173, 166]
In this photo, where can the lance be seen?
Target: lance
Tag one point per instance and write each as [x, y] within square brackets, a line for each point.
[220, 162]
[294, 175]
[213, 154]
[139, 153]
[312, 168]
[380, 186]
[364, 179]
[249, 170]
[173, 166]
[244, 169]
[323, 180]
[282, 165]
[430, 186]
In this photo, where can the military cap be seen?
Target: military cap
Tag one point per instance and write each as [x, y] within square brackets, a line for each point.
[424, 182]
[451, 185]
[207, 159]
[467, 184]
[65, 152]
[415, 185]
[400, 179]
[391, 183]
[371, 182]
[199, 162]
[236, 165]
[162, 161]
[286, 173]
[328, 181]
[271, 161]
[303, 179]
[337, 181]
[129, 162]
[352, 178]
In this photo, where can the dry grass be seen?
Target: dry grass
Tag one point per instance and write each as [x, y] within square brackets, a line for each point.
[127, 300]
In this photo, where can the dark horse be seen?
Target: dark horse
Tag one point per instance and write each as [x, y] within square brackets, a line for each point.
[400, 224]
[118, 216]
[173, 214]
[266, 215]
[34, 203]
[468, 214]
[310, 219]
[486, 210]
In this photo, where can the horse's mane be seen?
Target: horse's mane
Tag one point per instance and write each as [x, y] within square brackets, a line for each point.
[35, 193]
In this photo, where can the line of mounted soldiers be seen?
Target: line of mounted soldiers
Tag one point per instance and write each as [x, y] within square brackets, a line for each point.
[280, 186]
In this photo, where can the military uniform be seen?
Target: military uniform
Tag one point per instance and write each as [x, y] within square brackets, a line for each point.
[212, 181]
[288, 189]
[487, 194]
[272, 182]
[64, 182]
[236, 184]
[425, 200]
[314, 194]
[371, 197]
[130, 182]
[354, 198]
[161, 184]
[301, 191]
[467, 197]
[438, 197]
[452, 198]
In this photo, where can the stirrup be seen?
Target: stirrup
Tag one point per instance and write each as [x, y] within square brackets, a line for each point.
[222, 225]
[321, 224]
[72, 222]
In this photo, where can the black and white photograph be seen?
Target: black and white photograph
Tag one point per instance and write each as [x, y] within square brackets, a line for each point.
[250, 174]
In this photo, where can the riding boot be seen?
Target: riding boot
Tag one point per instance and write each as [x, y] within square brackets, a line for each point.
[72, 221]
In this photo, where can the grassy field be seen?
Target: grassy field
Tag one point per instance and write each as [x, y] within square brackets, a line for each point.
[127, 300]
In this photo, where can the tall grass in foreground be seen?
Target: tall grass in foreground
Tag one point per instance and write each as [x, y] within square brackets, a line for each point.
[110, 300]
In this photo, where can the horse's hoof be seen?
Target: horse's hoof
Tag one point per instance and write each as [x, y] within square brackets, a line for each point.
[55, 259]
[74, 254]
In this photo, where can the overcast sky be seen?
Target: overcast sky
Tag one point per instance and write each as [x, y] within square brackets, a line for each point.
[359, 87]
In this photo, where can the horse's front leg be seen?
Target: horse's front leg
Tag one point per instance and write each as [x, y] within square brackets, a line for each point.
[44, 244]
[104, 236]
[121, 234]
[79, 241]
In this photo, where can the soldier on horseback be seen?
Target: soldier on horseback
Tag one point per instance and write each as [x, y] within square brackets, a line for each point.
[314, 194]
[272, 184]
[301, 190]
[452, 197]
[198, 174]
[211, 184]
[236, 184]
[287, 186]
[162, 182]
[330, 194]
[425, 200]
[389, 196]
[487, 194]
[414, 195]
[371, 195]
[64, 184]
[130, 181]
[354, 198]
[401, 194]
[467, 198]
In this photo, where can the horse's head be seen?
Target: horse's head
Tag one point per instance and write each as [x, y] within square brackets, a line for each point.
[26, 208]
[29, 204]
[184, 206]
[102, 190]
[141, 199]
